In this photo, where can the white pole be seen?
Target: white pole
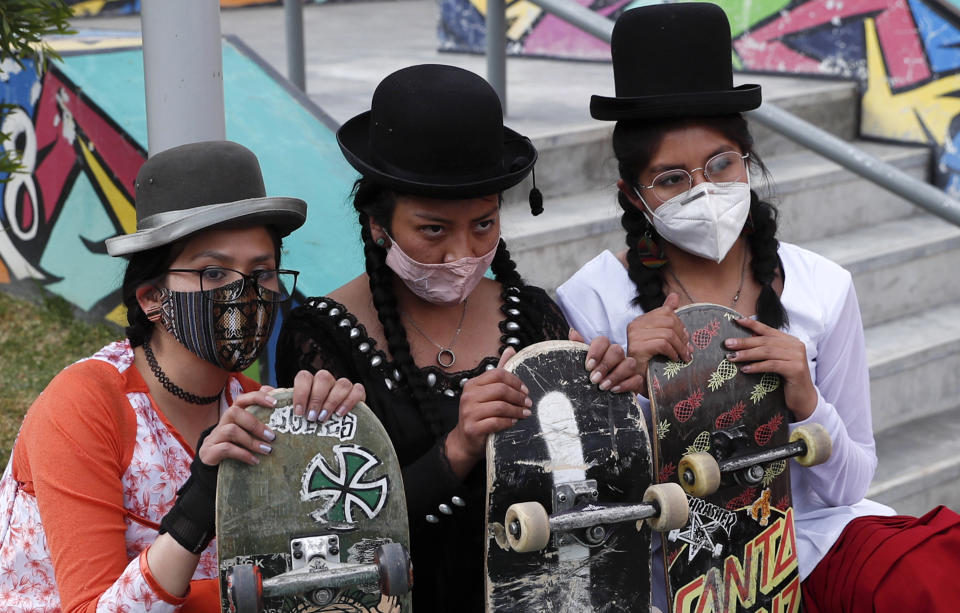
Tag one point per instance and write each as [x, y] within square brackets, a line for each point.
[183, 72]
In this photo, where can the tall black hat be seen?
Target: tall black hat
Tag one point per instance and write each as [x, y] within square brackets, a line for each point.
[198, 186]
[673, 60]
[436, 131]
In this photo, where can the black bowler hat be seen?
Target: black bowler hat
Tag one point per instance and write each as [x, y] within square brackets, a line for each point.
[436, 131]
[673, 60]
[197, 186]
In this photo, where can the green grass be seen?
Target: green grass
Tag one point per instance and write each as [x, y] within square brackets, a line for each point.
[37, 339]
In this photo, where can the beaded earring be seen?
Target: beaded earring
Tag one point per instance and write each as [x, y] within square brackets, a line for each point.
[153, 314]
[651, 255]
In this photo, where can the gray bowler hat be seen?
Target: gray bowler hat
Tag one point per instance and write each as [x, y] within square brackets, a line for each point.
[197, 186]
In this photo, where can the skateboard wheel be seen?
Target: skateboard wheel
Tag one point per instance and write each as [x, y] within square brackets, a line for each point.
[817, 440]
[396, 570]
[528, 527]
[674, 510]
[246, 589]
[699, 474]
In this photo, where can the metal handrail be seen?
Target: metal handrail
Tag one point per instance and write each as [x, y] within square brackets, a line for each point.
[803, 132]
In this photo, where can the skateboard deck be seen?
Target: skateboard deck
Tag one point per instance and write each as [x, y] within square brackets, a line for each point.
[316, 524]
[582, 463]
[738, 550]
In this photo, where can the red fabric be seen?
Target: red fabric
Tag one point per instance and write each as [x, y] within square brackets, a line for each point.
[889, 564]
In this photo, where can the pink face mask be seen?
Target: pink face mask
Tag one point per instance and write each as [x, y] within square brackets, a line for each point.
[447, 283]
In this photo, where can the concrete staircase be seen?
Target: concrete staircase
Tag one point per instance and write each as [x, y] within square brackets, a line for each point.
[904, 264]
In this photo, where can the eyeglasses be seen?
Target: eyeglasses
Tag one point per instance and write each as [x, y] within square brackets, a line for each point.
[721, 169]
[226, 284]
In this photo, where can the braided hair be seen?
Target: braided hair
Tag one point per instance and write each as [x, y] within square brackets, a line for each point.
[375, 202]
[634, 143]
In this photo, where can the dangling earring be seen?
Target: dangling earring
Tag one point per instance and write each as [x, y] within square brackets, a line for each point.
[153, 314]
[651, 255]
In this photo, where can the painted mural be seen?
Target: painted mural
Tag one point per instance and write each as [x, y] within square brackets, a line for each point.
[80, 130]
[905, 54]
[103, 8]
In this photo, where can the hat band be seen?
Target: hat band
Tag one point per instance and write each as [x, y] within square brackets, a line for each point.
[446, 178]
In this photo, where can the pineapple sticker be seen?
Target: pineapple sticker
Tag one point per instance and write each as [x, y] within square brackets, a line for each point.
[701, 338]
[724, 372]
[773, 471]
[765, 432]
[683, 410]
[768, 382]
[671, 368]
[728, 418]
[701, 444]
[662, 429]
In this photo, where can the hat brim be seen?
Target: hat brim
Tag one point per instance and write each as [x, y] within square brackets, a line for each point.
[285, 214]
[354, 139]
[737, 100]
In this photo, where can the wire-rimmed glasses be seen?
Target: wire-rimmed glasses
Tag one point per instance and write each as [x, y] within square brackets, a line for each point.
[723, 168]
[221, 284]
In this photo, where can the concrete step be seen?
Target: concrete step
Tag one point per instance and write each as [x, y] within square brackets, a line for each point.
[899, 267]
[919, 464]
[578, 157]
[914, 366]
[572, 229]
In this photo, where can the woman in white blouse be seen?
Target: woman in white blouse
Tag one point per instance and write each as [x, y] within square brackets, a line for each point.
[697, 232]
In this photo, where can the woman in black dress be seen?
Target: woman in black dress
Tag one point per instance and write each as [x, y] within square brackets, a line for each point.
[423, 329]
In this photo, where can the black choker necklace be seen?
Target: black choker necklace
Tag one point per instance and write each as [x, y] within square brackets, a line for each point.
[169, 385]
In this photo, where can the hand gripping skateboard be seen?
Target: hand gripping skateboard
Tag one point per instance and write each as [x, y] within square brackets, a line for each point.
[724, 436]
[320, 524]
[568, 490]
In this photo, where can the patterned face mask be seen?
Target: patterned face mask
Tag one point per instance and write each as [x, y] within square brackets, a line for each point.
[229, 334]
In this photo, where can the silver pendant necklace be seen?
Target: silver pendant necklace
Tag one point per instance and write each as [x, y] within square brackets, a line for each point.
[736, 297]
[446, 357]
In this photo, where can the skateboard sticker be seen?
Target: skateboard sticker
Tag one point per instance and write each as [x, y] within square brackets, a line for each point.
[344, 488]
[705, 520]
[745, 579]
[284, 420]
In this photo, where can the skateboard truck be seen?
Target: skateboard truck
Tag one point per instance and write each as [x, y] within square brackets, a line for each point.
[529, 526]
[700, 472]
[318, 573]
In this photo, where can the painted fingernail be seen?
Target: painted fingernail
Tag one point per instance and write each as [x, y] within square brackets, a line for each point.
[595, 376]
[256, 460]
[616, 389]
[605, 385]
[524, 389]
[265, 448]
[513, 421]
[527, 412]
[731, 355]
[342, 410]
[730, 342]
[323, 415]
[312, 415]
[272, 401]
[591, 364]
[527, 402]
[269, 434]
[746, 368]
[298, 409]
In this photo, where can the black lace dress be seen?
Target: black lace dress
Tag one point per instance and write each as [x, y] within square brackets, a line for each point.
[446, 516]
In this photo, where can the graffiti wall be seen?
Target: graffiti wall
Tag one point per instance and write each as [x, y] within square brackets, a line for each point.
[89, 8]
[905, 54]
[80, 129]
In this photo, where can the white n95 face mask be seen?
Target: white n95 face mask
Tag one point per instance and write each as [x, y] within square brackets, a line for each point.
[705, 220]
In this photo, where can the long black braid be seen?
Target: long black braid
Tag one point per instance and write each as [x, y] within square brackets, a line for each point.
[376, 202]
[634, 143]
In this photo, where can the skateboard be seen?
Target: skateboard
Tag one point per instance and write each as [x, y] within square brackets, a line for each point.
[568, 490]
[320, 524]
[724, 436]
